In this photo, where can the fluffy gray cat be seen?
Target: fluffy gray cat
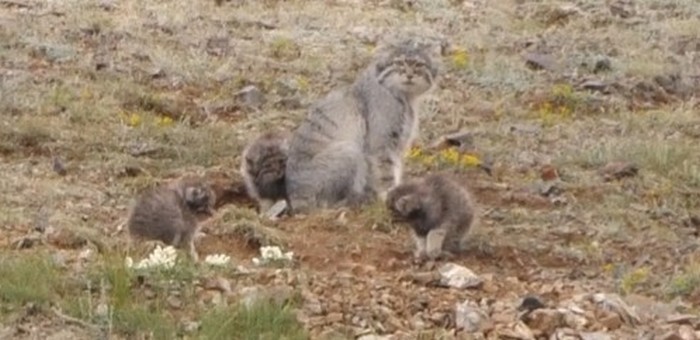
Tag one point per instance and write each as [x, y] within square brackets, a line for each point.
[263, 168]
[439, 210]
[349, 149]
[167, 213]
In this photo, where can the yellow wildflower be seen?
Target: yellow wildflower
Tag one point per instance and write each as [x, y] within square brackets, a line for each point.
[415, 153]
[303, 83]
[634, 279]
[133, 120]
[450, 155]
[164, 121]
[608, 268]
[470, 160]
[562, 90]
[460, 58]
[428, 160]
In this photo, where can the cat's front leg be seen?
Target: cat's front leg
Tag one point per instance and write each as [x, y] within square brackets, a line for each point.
[419, 250]
[385, 176]
[397, 169]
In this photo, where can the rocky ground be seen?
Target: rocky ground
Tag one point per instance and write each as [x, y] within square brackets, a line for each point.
[574, 123]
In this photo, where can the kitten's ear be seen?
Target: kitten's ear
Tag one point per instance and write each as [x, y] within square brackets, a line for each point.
[190, 193]
[406, 204]
[399, 205]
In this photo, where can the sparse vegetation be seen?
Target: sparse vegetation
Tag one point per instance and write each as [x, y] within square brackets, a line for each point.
[684, 284]
[131, 93]
[48, 281]
[261, 320]
[632, 280]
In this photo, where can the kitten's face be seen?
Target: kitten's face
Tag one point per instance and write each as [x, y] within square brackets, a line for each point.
[252, 160]
[200, 198]
[407, 70]
[268, 145]
[403, 203]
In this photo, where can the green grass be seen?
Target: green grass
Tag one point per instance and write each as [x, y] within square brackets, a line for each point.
[131, 312]
[28, 133]
[135, 319]
[260, 321]
[685, 282]
[128, 312]
[31, 278]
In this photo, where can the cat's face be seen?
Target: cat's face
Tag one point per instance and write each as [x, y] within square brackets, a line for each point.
[408, 70]
[268, 146]
[200, 198]
[404, 202]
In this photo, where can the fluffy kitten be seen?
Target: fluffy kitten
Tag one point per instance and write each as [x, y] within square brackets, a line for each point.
[263, 168]
[350, 147]
[167, 213]
[439, 211]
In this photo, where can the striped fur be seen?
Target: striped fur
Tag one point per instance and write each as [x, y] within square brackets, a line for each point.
[440, 212]
[348, 150]
[263, 167]
[167, 213]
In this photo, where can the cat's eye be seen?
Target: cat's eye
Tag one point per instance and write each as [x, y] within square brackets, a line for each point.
[417, 63]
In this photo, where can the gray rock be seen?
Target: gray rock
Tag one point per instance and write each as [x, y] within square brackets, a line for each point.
[469, 317]
[251, 97]
[615, 304]
[375, 337]
[538, 61]
[456, 276]
[56, 52]
[595, 336]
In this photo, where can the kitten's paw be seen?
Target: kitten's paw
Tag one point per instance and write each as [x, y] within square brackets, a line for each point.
[434, 254]
[419, 257]
[419, 261]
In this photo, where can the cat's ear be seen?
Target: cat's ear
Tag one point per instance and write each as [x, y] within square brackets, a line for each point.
[407, 204]
[382, 56]
[400, 205]
[190, 193]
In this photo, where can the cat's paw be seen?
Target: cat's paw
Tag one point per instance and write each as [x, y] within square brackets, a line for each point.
[434, 254]
[419, 257]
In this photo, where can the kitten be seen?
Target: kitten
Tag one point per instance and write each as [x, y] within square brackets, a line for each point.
[440, 212]
[168, 213]
[349, 149]
[263, 165]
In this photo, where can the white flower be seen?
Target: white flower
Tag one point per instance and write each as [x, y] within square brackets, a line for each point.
[160, 257]
[129, 262]
[217, 260]
[272, 253]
